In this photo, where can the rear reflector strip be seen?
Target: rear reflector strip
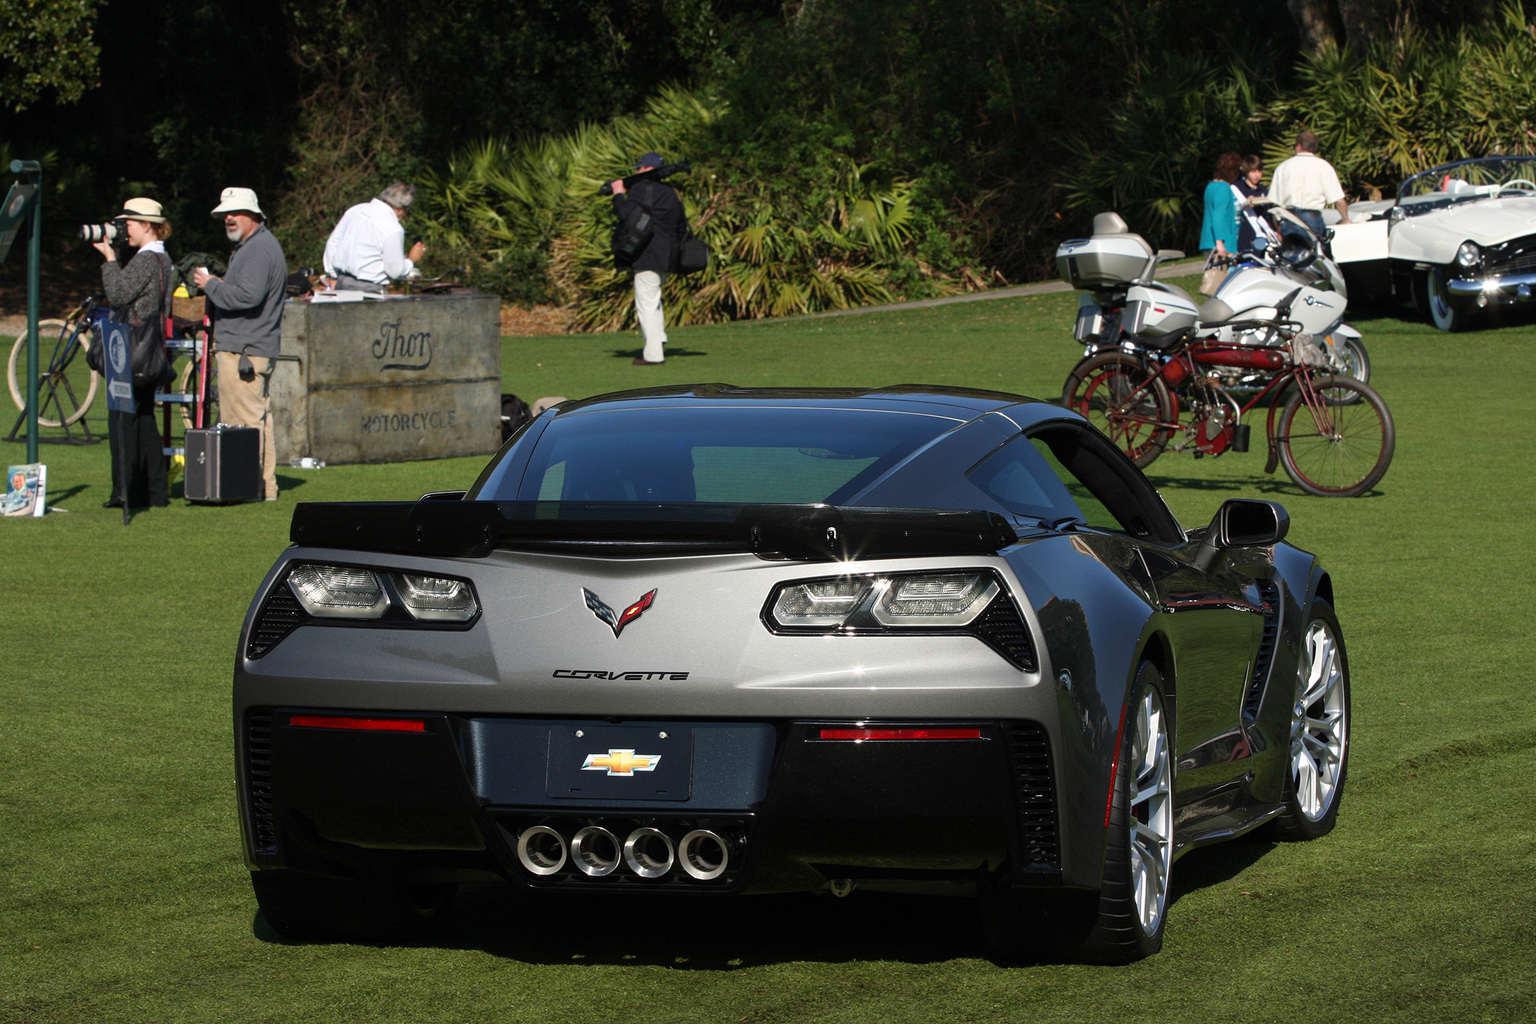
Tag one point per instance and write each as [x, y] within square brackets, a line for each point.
[360, 724]
[900, 734]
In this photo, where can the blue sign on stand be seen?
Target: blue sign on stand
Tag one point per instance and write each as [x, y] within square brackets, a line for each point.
[119, 372]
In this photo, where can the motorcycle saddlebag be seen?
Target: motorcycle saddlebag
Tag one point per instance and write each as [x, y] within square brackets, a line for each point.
[1155, 311]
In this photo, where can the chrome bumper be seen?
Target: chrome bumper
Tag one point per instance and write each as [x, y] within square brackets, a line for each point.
[1483, 290]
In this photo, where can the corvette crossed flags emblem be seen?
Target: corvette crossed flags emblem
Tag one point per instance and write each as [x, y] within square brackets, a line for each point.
[617, 620]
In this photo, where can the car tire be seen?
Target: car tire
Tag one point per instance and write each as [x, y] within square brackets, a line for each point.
[1124, 920]
[1319, 752]
[302, 906]
[1433, 301]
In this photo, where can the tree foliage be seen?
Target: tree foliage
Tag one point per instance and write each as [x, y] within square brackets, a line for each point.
[1415, 100]
[47, 47]
[845, 151]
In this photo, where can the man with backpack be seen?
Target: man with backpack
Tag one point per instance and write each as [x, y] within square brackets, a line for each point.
[645, 243]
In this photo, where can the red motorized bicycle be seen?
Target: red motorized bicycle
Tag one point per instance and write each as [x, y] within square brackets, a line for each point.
[1332, 433]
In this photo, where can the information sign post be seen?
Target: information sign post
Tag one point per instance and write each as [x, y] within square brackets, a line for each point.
[23, 200]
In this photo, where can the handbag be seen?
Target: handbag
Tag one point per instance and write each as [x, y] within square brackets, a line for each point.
[1215, 273]
[692, 253]
[146, 344]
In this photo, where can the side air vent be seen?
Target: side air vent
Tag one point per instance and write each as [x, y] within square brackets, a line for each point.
[258, 765]
[280, 614]
[1004, 631]
[1035, 794]
[1269, 592]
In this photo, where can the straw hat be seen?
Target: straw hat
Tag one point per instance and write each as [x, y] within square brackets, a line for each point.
[143, 209]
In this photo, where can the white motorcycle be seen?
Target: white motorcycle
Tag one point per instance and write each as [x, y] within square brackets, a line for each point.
[1123, 305]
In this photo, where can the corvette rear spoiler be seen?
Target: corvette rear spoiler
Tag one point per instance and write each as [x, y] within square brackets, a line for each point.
[473, 529]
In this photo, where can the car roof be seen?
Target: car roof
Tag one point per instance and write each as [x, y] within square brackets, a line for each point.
[960, 404]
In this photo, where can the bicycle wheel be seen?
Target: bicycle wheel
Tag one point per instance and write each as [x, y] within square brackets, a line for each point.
[66, 387]
[1334, 448]
[1121, 397]
[186, 383]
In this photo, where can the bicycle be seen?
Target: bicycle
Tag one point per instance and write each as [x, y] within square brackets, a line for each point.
[64, 383]
[197, 394]
[1333, 434]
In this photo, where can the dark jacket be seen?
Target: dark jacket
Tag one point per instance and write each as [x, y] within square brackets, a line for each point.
[667, 218]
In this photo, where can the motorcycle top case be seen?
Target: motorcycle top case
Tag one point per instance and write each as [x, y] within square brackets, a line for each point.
[1103, 261]
[1153, 311]
[223, 464]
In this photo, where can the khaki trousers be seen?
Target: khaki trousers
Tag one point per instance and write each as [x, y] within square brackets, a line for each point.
[247, 403]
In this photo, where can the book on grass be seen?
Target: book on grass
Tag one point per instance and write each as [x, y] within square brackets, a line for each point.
[26, 489]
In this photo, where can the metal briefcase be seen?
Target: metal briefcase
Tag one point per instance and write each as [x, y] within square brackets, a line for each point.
[223, 464]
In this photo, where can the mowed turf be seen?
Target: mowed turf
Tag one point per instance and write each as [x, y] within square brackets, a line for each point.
[123, 896]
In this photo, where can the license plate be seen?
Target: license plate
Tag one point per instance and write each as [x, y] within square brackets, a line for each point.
[620, 762]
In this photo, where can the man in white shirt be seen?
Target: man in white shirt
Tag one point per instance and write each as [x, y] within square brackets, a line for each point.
[1306, 183]
[367, 249]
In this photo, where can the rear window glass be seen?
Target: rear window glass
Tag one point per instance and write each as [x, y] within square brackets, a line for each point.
[729, 454]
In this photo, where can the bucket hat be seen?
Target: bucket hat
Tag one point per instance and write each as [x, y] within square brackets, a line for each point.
[236, 200]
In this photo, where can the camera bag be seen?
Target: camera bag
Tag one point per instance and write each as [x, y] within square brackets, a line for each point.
[633, 233]
[692, 253]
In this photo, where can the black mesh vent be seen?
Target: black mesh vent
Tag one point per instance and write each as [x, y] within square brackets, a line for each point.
[258, 776]
[1270, 593]
[1001, 627]
[280, 614]
[1035, 793]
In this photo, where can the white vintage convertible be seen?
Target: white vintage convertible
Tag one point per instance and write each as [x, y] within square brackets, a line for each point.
[1459, 239]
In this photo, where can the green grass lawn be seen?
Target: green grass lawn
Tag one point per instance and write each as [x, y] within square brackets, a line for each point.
[123, 896]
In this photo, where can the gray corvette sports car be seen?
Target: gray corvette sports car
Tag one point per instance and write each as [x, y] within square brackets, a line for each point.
[715, 640]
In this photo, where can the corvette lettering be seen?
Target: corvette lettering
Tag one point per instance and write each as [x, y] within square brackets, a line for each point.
[627, 674]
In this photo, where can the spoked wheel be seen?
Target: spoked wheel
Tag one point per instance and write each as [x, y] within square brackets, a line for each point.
[1124, 921]
[1319, 731]
[66, 386]
[1333, 445]
[1125, 400]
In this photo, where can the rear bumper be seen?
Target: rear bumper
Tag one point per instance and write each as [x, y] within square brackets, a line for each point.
[781, 808]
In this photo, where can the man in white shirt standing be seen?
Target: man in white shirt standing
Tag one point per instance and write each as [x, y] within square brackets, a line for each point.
[1306, 183]
[367, 249]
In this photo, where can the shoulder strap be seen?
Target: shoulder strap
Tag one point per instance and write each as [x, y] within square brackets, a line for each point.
[164, 312]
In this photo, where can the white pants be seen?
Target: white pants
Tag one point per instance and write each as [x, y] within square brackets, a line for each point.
[653, 323]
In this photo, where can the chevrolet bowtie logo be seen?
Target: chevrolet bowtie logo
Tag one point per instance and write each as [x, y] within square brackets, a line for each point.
[617, 620]
[622, 761]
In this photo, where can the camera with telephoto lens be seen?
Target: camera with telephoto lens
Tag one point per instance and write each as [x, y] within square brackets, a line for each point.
[114, 233]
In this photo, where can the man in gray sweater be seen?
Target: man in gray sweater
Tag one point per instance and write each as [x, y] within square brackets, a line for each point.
[247, 320]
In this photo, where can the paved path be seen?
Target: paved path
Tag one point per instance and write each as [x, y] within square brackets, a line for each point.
[1011, 292]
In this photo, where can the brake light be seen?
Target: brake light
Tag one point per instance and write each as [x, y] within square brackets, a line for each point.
[860, 735]
[358, 724]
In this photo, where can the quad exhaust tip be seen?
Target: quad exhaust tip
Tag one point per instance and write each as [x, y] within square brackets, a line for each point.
[541, 850]
[702, 854]
[595, 851]
[648, 853]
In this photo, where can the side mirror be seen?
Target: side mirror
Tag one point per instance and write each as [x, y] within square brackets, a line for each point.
[1241, 523]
